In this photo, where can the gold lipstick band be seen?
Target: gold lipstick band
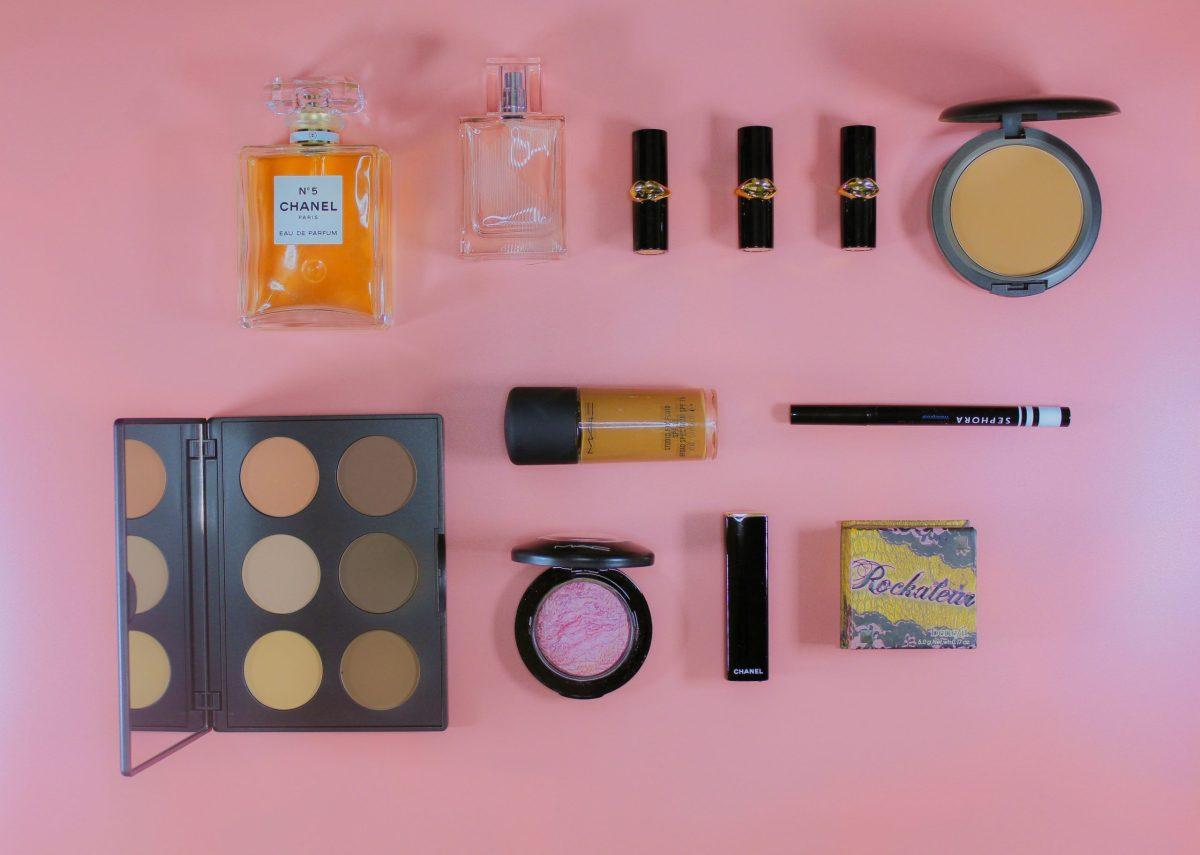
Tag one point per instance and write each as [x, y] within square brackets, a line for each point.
[859, 188]
[648, 191]
[757, 188]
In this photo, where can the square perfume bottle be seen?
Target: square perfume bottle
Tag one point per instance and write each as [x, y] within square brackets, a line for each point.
[512, 169]
[315, 216]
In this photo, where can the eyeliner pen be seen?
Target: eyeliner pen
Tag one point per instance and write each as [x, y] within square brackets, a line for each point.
[921, 414]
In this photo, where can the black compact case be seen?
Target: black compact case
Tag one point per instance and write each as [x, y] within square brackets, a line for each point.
[204, 622]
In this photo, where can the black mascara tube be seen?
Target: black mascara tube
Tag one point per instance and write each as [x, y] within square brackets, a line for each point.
[746, 597]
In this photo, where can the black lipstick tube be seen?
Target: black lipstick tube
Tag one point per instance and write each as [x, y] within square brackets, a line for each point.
[756, 189]
[746, 597]
[649, 191]
[858, 163]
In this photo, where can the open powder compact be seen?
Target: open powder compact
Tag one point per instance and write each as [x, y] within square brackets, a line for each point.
[583, 628]
[1016, 210]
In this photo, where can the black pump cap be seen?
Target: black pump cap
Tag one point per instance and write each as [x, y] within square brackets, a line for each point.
[650, 155]
[541, 425]
[755, 154]
[858, 152]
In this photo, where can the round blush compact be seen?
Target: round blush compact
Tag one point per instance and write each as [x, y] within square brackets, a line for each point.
[583, 628]
[1016, 210]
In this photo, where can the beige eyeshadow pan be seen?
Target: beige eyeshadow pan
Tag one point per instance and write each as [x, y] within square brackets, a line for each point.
[380, 670]
[281, 574]
[377, 476]
[148, 568]
[145, 479]
[378, 572]
[1016, 210]
[279, 476]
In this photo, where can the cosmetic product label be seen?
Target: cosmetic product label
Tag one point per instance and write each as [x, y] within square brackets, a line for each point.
[908, 584]
[308, 209]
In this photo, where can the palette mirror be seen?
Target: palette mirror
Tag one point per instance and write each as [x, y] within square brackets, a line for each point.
[278, 574]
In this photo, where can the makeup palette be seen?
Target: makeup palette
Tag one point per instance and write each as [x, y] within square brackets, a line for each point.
[1017, 210]
[278, 574]
[583, 628]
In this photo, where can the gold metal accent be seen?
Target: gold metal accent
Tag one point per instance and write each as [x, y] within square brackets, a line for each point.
[859, 188]
[757, 188]
[648, 191]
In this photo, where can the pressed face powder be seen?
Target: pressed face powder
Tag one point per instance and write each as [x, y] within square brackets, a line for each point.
[283, 670]
[582, 628]
[145, 478]
[281, 574]
[149, 670]
[377, 476]
[279, 476]
[380, 670]
[148, 569]
[378, 572]
[1016, 210]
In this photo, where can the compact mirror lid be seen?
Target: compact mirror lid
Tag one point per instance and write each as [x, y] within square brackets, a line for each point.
[1036, 109]
[586, 553]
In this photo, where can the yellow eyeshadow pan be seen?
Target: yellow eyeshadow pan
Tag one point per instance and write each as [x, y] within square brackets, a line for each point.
[283, 670]
[1016, 210]
[149, 670]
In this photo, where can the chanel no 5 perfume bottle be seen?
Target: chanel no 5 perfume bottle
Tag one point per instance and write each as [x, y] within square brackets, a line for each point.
[315, 216]
[512, 169]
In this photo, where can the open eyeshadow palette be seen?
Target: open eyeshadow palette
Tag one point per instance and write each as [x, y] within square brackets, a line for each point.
[279, 574]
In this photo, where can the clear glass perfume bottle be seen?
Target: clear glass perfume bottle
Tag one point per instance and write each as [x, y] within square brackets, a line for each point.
[315, 216]
[512, 169]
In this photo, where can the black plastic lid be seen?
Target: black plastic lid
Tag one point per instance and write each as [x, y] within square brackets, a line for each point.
[858, 152]
[1038, 109]
[541, 425]
[755, 154]
[650, 155]
[582, 553]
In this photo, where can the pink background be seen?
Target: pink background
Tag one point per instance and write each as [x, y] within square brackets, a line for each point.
[1073, 727]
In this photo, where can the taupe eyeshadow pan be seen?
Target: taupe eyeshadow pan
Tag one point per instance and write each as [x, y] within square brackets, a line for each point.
[378, 572]
[377, 476]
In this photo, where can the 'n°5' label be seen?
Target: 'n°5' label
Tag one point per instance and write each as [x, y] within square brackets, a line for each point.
[308, 209]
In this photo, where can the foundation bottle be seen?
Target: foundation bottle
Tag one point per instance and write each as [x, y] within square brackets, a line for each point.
[315, 216]
[564, 424]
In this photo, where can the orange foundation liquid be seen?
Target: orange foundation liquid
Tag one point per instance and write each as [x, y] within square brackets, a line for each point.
[646, 424]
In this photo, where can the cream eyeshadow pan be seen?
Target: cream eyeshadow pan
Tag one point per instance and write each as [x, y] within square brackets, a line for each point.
[281, 573]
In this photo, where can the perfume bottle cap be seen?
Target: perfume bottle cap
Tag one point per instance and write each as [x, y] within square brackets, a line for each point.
[314, 106]
[514, 86]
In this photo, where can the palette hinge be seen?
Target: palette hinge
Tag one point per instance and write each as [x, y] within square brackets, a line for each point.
[206, 700]
[201, 449]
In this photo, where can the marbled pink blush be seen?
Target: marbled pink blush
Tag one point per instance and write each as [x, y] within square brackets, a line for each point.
[582, 628]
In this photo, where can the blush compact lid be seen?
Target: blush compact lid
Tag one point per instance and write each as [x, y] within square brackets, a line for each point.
[583, 553]
[1036, 109]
